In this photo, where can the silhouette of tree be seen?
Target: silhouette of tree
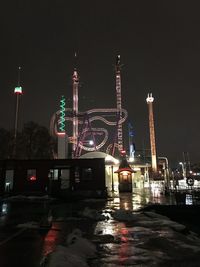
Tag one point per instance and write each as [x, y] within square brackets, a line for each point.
[6, 141]
[34, 142]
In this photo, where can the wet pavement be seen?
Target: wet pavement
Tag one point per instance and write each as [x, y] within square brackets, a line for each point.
[121, 243]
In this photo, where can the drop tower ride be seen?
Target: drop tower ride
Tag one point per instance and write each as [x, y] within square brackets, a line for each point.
[119, 104]
[75, 81]
[150, 100]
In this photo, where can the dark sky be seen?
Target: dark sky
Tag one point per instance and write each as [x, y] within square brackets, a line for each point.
[159, 44]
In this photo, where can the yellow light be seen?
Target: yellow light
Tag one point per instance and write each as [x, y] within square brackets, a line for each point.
[131, 159]
[136, 169]
[125, 173]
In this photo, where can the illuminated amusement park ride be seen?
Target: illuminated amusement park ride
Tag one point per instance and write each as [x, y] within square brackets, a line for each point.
[101, 129]
[87, 135]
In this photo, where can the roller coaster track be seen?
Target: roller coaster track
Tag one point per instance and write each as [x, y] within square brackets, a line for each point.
[98, 114]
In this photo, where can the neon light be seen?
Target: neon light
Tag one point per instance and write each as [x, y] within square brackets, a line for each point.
[18, 90]
[61, 133]
[123, 152]
[62, 115]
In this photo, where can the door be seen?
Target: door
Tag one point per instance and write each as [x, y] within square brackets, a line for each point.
[125, 182]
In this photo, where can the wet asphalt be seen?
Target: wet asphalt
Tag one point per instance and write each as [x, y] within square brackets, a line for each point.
[24, 246]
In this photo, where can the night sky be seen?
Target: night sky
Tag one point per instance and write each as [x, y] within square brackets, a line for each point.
[159, 44]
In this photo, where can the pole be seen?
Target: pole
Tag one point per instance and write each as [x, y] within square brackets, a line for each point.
[166, 170]
[18, 93]
[112, 178]
[16, 126]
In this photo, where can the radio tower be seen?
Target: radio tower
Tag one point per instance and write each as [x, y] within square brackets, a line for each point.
[119, 104]
[150, 100]
[75, 81]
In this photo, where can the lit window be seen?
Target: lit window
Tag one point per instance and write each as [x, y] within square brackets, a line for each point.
[31, 175]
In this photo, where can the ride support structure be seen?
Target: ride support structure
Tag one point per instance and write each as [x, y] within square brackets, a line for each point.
[75, 80]
[86, 134]
[119, 104]
[62, 149]
[150, 100]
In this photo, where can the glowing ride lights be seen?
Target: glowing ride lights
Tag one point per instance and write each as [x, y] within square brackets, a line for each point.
[18, 93]
[131, 143]
[75, 81]
[91, 142]
[94, 115]
[119, 104]
[62, 151]
[150, 100]
[79, 139]
[62, 117]
[18, 90]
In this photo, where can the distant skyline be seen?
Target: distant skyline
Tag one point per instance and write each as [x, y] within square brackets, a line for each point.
[159, 44]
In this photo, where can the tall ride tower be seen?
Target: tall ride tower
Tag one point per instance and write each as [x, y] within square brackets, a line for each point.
[18, 93]
[150, 100]
[119, 104]
[75, 81]
[62, 136]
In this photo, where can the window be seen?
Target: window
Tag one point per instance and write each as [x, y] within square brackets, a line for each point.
[31, 175]
[77, 175]
[9, 180]
[87, 174]
[53, 174]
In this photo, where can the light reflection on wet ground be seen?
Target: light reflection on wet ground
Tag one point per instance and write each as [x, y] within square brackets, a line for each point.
[51, 239]
[145, 241]
[138, 199]
[145, 246]
[133, 241]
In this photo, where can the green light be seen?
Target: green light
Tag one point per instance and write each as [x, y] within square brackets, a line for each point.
[18, 90]
[62, 115]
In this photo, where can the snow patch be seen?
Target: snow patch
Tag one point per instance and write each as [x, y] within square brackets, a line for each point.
[75, 253]
[30, 225]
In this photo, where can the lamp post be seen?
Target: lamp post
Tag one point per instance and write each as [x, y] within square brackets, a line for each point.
[112, 178]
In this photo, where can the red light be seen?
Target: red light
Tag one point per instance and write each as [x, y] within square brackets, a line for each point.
[124, 231]
[33, 178]
[123, 152]
[61, 133]
[18, 90]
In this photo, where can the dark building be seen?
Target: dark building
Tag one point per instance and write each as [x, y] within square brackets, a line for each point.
[59, 177]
